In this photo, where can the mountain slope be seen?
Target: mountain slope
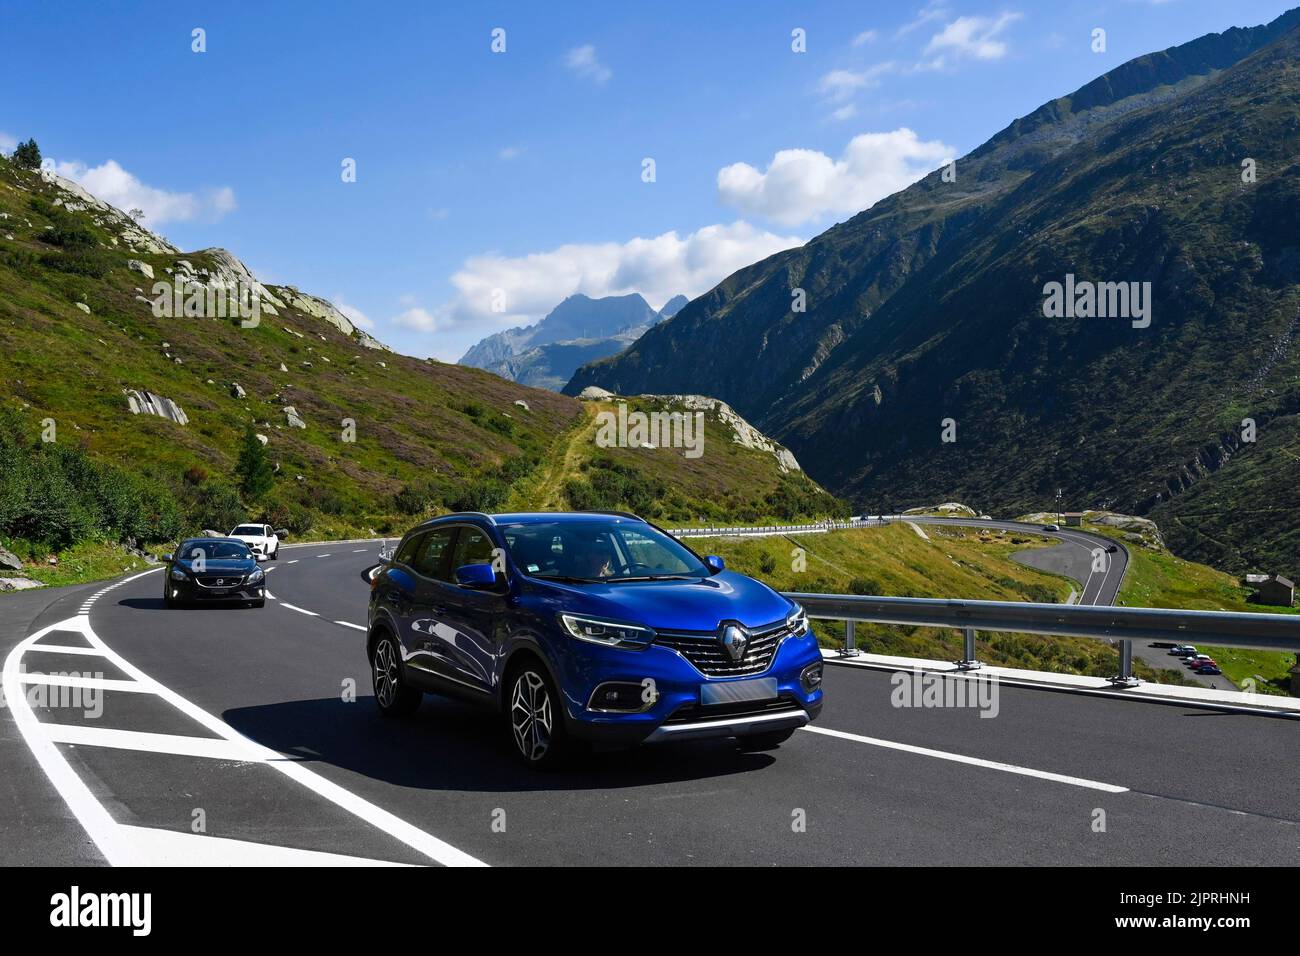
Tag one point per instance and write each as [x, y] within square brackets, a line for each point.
[929, 307]
[145, 415]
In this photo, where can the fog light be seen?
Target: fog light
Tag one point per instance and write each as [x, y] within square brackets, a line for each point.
[622, 697]
[811, 678]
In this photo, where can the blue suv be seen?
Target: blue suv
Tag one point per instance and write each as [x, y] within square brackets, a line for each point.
[593, 627]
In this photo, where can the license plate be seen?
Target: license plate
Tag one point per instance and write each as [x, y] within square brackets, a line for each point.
[217, 592]
[738, 691]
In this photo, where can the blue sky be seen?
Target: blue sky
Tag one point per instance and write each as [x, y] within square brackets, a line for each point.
[522, 171]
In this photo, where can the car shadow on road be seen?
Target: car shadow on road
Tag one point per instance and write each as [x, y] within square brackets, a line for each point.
[158, 604]
[448, 745]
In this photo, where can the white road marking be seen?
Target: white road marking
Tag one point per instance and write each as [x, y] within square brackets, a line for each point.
[177, 848]
[323, 555]
[65, 649]
[300, 610]
[357, 627]
[359, 551]
[294, 561]
[181, 744]
[971, 761]
[124, 845]
[98, 683]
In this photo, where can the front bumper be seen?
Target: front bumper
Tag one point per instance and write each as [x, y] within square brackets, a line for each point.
[677, 712]
[189, 591]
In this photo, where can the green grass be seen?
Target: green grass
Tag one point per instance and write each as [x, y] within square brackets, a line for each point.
[85, 561]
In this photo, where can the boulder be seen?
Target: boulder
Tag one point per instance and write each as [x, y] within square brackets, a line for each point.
[291, 416]
[594, 393]
[18, 584]
[522, 404]
[83, 307]
[135, 265]
[10, 560]
[262, 438]
[147, 403]
[237, 390]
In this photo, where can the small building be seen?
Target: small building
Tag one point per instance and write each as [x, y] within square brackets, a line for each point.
[1073, 519]
[1271, 589]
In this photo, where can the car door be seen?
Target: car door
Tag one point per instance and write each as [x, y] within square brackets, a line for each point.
[474, 616]
[427, 637]
[401, 584]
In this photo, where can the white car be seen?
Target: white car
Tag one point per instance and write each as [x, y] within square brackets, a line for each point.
[261, 539]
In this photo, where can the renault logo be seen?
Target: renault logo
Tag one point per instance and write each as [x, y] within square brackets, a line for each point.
[734, 638]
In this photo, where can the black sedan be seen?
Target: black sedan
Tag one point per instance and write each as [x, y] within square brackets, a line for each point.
[211, 570]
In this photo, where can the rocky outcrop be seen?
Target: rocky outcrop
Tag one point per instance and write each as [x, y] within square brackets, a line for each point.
[147, 403]
[594, 393]
[742, 432]
[291, 416]
[10, 560]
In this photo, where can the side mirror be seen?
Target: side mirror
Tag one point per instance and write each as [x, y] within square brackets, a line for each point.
[715, 562]
[165, 558]
[477, 577]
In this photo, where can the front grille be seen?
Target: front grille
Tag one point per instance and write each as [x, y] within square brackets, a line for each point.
[227, 580]
[693, 713]
[711, 659]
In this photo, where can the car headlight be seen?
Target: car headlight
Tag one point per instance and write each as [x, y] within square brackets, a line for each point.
[797, 621]
[178, 573]
[610, 633]
[257, 576]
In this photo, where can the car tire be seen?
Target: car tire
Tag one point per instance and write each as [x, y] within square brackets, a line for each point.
[393, 695]
[275, 555]
[535, 718]
[756, 743]
[168, 600]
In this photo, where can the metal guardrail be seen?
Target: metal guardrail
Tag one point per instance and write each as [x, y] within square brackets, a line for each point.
[1124, 624]
[761, 529]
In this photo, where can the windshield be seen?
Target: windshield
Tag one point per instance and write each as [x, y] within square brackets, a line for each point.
[253, 530]
[213, 550]
[598, 551]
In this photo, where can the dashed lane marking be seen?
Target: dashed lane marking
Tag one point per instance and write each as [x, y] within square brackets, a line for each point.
[357, 627]
[300, 610]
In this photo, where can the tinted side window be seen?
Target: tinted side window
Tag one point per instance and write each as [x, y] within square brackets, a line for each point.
[406, 555]
[431, 560]
[473, 547]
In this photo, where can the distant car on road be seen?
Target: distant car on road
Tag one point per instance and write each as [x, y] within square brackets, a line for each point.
[1182, 650]
[1208, 669]
[1112, 548]
[1051, 527]
[213, 570]
[262, 540]
[1196, 660]
[588, 628]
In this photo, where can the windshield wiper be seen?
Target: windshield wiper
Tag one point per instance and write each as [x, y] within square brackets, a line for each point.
[654, 577]
[568, 579]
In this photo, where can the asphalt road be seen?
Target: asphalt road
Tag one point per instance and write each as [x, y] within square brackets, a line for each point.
[238, 724]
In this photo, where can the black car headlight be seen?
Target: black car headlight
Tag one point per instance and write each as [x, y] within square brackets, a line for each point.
[597, 630]
[178, 573]
[257, 577]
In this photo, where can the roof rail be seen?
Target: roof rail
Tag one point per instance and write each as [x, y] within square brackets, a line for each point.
[466, 514]
[620, 514]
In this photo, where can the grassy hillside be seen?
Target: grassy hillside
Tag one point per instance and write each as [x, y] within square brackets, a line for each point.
[388, 438]
[954, 562]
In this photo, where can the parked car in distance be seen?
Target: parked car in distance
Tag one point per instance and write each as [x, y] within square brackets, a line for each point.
[1195, 660]
[1182, 650]
[1208, 669]
[210, 570]
[588, 628]
[262, 540]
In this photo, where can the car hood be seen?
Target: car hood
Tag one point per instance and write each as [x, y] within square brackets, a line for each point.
[698, 604]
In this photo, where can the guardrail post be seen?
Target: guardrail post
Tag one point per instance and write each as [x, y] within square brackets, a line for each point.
[968, 661]
[850, 640]
[1125, 676]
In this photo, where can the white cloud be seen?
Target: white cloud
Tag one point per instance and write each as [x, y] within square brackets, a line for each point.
[847, 111]
[419, 319]
[509, 152]
[839, 85]
[7, 143]
[866, 36]
[113, 184]
[658, 267]
[934, 10]
[355, 315]
[583, 62]
[803, 184]
[969, 38]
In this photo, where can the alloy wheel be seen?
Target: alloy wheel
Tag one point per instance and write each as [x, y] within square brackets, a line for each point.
[530, 716]
[386, 674]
